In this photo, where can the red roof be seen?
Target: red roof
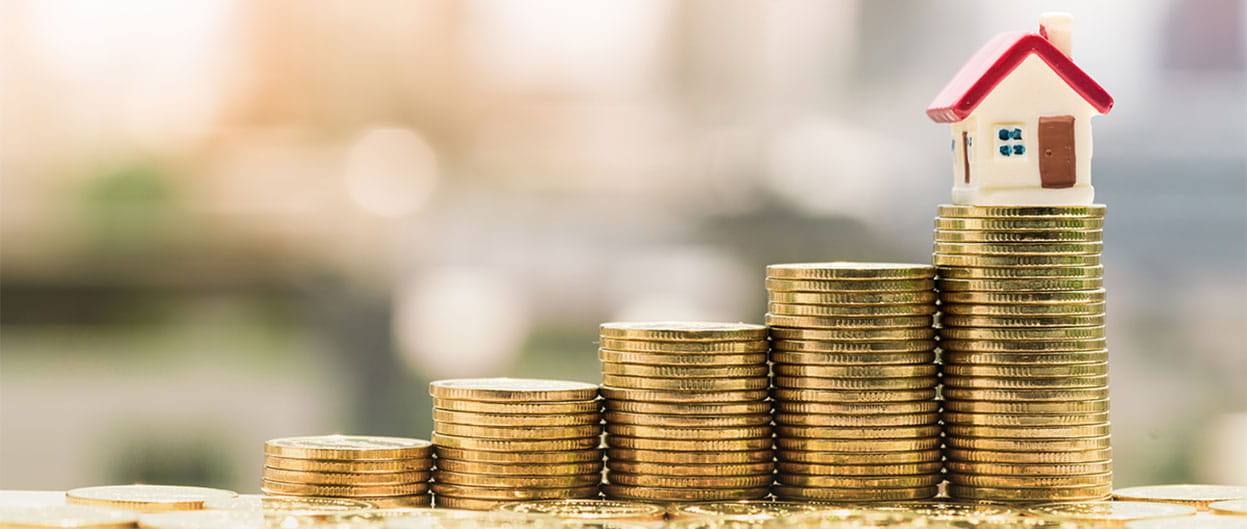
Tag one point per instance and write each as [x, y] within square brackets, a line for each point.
[995, 61]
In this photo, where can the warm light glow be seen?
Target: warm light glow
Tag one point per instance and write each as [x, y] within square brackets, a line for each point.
[391, 172]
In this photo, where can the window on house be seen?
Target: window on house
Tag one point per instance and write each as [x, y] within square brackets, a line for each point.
[1009, 141]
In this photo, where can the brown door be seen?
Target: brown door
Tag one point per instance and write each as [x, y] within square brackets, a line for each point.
[1056, 152]
[965, 154]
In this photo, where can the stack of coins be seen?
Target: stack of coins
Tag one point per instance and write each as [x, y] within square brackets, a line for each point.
[1025, 368]
[687, 416]
[855, 381]
[383, 471]
[510, 439]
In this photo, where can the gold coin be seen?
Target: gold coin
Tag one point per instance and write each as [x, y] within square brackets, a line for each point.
[625, 492]
[857, 371]
[929, 455]
[614, 455]
[511, 481]
[958, 381]
[858, 445]
[850, 271]
[1072, 272]
[1227, 507]
[684, 482]
[825, 395]
[65, 516]
[822, 420]
[362, 466]
[1032, 236]
[343, 491]
[686, 421]
[1064, 395]
[1025, 298]
[1030, 458]
[909, 346]
[293, 505]
[686, 384]
[681, 360]
[987, 333]
[590, 509]
[1070, 370]
[850, 310]
[1019, 285]
[348, 447]
[667, 432]
[512, 493]
[857, 408]
[747, 511]
[1078, 320]
[1093, 211]
[1119, 511]
[512, 390]
[688, 445]
[687, 331]
[949, 511]
[1025, 360]
[202, 520]
[819, 322]
[1014, 494]
[858, 482]
[547, 457]
[345, 478]
[1023, 248]
[1037, 345]
[146, 498]
[641, 346]
[856, 383]
[512, 432]
[995, 419]
[1021, 311]
[1027, 445]
[791, 493]
[814, 285]
[673, 469]
[1031, 469]
[1020, 224]
[849, 359]
[520, 408]
[882, 432]
[1014, 260]
[693, 408]
[513, 420]
[852, 298]
[1198, 496]
[519, 468]
[699, 372]
[985, 480]
[890, 469]
[514, 445]
[469, 504]
[653, 395]
[853, 335]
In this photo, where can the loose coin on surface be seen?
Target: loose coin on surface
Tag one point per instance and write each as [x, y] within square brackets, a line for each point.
[1198, 521]
[850, 270]
[1198, 496]
[348, 447]
[297, 505]
[683, 331]
[512, 390]
[203, 520]
[590, 509]
[65, 517]
[1229, 507]
[146, 498]
[1112, 510]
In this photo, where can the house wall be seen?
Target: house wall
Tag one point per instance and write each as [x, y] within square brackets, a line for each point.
[1031, 91]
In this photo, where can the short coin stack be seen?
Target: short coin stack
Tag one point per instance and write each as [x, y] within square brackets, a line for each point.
[855, 381]
[384, 471]
[1024, 361]
[687, 416]
[512, 439]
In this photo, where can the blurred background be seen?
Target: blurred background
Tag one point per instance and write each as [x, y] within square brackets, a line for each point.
[227, 221]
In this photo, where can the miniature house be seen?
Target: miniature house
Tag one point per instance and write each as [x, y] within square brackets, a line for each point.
[1021, 111]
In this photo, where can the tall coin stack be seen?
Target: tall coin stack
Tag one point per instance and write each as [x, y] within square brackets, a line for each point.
[1025, 365]
[513, 439]
[384, 471]
[855, 381]
[687, 416]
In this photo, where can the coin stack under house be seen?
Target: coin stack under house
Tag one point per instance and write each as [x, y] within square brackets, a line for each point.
[1024, 360]
[855, 381]
[514, 439]
[387, 472]
[687, 416]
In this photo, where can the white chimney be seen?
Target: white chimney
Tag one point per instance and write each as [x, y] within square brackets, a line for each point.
[1058, 28]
